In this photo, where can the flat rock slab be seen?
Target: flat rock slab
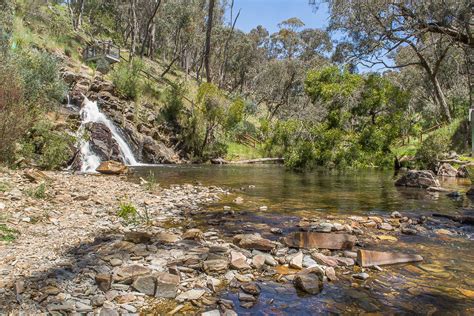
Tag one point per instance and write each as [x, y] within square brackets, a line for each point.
[193, 294]
[311, 240]
[253, 241]
[368, 258]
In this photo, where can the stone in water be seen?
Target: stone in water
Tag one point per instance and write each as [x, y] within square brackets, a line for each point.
[368, 258]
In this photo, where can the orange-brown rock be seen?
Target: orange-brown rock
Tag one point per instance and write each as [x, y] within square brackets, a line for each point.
[112, 167]
[369, 258]
[311, 240]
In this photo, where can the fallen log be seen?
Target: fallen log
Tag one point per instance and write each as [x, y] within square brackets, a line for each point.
[469, 220]
[221, 161]
[368, 258]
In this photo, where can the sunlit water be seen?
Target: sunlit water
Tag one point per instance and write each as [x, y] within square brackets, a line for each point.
[436, 286]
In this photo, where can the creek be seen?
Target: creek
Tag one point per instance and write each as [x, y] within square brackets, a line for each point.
[442, 284]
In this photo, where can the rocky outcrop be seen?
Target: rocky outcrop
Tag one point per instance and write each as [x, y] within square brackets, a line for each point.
[102, 142]
[446, 170]
[418, 179]
[148, 140]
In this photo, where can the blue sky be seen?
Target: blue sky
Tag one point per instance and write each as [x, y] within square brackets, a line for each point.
[271, 12]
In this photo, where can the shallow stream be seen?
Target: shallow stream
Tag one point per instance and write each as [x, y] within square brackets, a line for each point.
[442, 284]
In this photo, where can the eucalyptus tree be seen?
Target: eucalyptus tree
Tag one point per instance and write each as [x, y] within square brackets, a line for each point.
[377, 29]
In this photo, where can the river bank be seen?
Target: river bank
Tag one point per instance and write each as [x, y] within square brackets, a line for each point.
[196, 249]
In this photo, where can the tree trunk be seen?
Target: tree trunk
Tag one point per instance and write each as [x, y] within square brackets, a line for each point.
[147, 28]
[134, 23]
[207, 52]
[440, 98]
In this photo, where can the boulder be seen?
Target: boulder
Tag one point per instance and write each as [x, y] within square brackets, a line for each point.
[418, 179]
[102, 142]
[166, 238]
[311, 240]
[145, 285]
[296, 261]
[310, 283]
[238, 261]
[130, 273]
[369, 258]
[446, 170]
[193, 234]
[253, 241]
[215, 266]
[166, 285]
[36, 175]
[104, 281]
[112, 167]
[191, 295]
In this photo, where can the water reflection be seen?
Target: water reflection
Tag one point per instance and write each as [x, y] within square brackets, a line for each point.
[443, 284]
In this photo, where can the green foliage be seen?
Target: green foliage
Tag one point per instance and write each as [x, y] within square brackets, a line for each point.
[174, 104]
[103, 65]
[235, 114]
[7, 234]
[431, 149]
[126, 79]
[4, 186]
[40, 192]
[52, 149]
[128, 212]
[40, 76]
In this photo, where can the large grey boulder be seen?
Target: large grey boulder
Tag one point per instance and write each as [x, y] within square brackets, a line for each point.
[446, 170]
[418, 179]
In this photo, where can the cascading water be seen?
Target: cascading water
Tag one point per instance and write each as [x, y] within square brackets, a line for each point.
[90, 113]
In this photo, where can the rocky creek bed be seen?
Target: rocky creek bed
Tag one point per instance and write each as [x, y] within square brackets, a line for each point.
[73, 254]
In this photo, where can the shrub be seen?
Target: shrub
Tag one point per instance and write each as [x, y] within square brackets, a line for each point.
[173, 104]
[7, 234]
[39, 192]
[103, 65]
[15, 117]
[128, 212]
[51, 149]
[431, 149]
[126, 78]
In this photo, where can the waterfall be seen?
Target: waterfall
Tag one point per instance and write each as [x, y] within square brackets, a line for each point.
[90, 113]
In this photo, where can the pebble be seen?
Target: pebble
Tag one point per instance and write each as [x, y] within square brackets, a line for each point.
[361, 276]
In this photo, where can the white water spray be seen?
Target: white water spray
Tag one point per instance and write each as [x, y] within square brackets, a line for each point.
[90, 113]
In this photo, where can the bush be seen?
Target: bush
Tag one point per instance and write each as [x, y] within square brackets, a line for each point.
[39, 192]
[7, 234]
[431, 149]
[128, 212]
[173, 104]
[126, 78]
[51, 149]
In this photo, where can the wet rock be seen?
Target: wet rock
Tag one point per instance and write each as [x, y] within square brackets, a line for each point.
[244, 297]
[323, 227]
[324, 260]
[190, 295]
[276, 231]
[361, 276]
[215, 266]
[418, 179]
[258, 261]
[214, 312]
[83, 308]
[312, 240]
[193, 234]
[104, 281]
[166, 285]
[296, 261]
[443, 231]
[112, 167]
[446, 170]
[137, 237]
[408, 231]
[238, 261]
[368, 258]
[145, 285]
[396, 214]
[253, 241]
[309, 262]
[308, 282]
[330, 273]
[250, 288]
[385, 226]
